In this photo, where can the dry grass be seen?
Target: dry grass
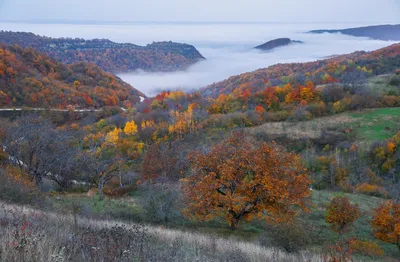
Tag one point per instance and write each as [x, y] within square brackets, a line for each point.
[46, 236]
[312, 129]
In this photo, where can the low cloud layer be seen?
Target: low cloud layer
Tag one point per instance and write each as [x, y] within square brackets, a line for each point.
[227, 47]
[222, 63]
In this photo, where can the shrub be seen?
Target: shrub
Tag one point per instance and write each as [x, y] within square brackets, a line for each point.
[317, 109]
[395, 80]
[372, 190]
[16, 187]
[276, 116]
[119, 191]
[338, 252]
[366, 248]
[300, 114]
[291, 237]
[160, 202]
[389, 101]
[75, 126]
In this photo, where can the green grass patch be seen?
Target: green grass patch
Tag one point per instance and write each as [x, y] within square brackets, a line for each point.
[93, 206]
[376, 124]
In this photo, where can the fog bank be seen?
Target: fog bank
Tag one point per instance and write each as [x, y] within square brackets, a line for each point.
[228, 48]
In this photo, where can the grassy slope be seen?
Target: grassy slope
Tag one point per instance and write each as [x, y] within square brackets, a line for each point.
[130, 209]
[362, 228]
[367, 126]
[377, 124]
[57, 237]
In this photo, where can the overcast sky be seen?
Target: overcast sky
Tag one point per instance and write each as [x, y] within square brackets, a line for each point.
[366, 11]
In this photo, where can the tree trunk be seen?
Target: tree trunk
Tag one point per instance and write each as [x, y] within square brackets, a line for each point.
[100, 190]
[332, 176]
[234, 223]
[398, 242]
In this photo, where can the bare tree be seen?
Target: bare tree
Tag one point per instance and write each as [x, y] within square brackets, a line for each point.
[100, 163]
[36, 146]
[353, 79]
[164, 161]
[333, 93]
[161, 202]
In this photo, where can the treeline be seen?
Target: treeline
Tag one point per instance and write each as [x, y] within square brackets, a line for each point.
[110, 56]
[349, 69]
[28, 78]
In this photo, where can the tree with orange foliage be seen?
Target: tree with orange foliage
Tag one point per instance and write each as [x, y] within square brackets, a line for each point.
[240, 181]
[260, 109]
[87, 99]
[391, 146]
[386, 222]
[341, 214]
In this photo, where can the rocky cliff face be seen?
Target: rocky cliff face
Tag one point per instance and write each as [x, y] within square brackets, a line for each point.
[276, 43]
[110, 56]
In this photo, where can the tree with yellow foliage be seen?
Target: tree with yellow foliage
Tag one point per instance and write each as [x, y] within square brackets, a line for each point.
[113, 136]
[131, 128]
[182, 122]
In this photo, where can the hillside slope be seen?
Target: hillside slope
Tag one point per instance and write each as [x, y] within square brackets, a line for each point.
[187, 246]
[110, 56]
[379, 32]
[28, 78]
[347, 69]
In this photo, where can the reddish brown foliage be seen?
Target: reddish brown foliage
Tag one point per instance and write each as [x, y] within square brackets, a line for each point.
[341, 214]
[239, 181]
[386, 222]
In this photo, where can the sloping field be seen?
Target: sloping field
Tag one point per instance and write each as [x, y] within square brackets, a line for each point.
[46, 236]
[367, 126]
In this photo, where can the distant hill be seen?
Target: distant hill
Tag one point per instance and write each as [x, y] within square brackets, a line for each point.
[29, 78]
[110, 56]
[379, 32]
[344, 68]
[277, 43]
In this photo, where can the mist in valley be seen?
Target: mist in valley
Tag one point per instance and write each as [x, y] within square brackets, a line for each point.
[227, 47]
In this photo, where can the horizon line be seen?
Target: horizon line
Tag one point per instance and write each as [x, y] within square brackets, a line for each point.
[73, 21]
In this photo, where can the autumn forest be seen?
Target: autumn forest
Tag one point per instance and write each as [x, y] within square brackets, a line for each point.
[292, 162]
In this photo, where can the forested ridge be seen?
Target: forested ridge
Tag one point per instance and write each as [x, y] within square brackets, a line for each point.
[381, 32]
[32, 79]
[110, 56]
